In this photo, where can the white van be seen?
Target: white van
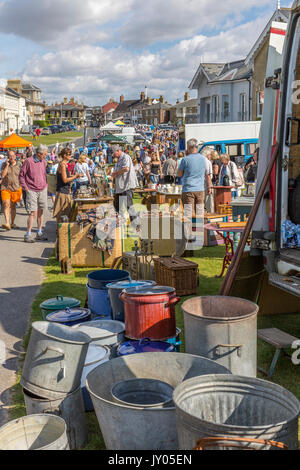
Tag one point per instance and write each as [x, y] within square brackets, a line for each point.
[276, 231]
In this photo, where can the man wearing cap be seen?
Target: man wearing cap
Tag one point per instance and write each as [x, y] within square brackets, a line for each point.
[125, 179]
[33, 180]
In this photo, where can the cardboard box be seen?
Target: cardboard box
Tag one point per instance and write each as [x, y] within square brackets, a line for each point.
[74, 244]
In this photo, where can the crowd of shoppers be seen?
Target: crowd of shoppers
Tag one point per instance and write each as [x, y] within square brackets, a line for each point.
[24, 176]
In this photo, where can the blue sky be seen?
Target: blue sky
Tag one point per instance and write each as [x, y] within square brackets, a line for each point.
[98, 49]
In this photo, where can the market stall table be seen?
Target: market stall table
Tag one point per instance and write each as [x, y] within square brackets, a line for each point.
[82, 205]
[241, 207]
[225, 232]
[148, 195]
[169, 198]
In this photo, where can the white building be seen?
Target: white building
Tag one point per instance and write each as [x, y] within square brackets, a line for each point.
[224, 92]
[13, 112]
[229, 92]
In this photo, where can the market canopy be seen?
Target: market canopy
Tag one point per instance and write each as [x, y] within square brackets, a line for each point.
[120, 123]
[109, 127]
[113, 138]
[14, 141]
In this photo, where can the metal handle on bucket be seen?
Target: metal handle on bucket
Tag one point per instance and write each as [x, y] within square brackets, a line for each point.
[173, 302]
[49, 348]
[234, 346]
[52, 411]
[59, 297]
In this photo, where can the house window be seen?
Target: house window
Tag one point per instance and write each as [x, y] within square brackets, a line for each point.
[243, 110]
[215, 108]
[225, 108]
[259, 103]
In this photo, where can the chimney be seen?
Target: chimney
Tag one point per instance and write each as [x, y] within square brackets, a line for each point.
[65, 100]
[72, 100]
[186, 96]
[142, 96]
[177, 102]
[111, 100]
[121, 98]
[161, 99]
[146, 93]
[149, 101]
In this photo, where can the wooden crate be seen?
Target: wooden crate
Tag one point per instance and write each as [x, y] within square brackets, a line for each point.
[74, 245]
[179, 273]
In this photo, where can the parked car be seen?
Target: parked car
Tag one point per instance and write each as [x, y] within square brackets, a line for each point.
[46, 131]
[53, 129]
[239, 150]
[91, 146]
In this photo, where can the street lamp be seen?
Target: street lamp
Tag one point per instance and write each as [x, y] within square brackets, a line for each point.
[84, 133]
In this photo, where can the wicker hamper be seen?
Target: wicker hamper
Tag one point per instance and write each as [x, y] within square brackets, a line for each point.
[178, 273]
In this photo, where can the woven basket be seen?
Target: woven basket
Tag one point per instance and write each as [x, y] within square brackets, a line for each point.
[178, 273]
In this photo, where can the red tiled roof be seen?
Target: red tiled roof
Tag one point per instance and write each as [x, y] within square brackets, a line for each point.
[109, 106]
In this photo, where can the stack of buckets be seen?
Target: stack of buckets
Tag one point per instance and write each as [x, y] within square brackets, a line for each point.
[105, 300]
[150, 324]
[51, 377]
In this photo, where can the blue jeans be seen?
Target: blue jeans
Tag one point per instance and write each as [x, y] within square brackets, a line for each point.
[154, 179]
[74, 189]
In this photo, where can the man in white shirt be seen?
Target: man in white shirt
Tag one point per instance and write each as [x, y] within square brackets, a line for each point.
[125, 179]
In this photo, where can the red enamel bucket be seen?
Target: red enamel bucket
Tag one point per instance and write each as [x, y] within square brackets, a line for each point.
[150, 312]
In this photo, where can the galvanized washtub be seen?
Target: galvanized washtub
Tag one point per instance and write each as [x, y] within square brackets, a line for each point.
[36, 432]
[235, 406]
[69, 407]
[103, 332]
[129, 427]
[54, 360]
[223, 329]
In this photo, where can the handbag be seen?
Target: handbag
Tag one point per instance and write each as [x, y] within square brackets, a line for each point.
[226, 180]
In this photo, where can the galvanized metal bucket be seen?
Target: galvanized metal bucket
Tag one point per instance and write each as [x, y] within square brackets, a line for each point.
[54, 360]
[144, 393]
[103, 332]
[129, 427]
[69, 407]
[223, 329]
[96, 355]
[36, 432]
[235, 406]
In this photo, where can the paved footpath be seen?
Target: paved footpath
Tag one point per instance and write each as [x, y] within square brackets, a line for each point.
[21, 273]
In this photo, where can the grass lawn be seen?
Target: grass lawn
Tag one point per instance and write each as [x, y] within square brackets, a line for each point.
[210, 263]
[53, 138]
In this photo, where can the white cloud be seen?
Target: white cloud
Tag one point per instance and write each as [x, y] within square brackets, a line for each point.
[50, 21]
[97, 49]
[156, 20]
[96, 73]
